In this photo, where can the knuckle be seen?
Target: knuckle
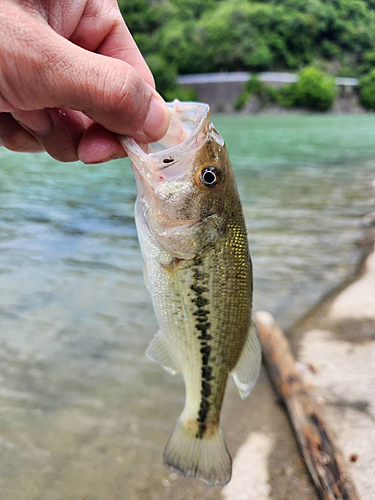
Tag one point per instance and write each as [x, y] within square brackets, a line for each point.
[19, 141]
[129, 96]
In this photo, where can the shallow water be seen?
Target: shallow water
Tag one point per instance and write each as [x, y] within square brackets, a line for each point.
[83, 414]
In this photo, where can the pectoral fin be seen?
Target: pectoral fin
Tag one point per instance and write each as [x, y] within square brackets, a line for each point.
[247, 368]
[159, 352]
[145, 276]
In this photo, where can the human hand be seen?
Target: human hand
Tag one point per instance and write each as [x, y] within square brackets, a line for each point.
[71, 78]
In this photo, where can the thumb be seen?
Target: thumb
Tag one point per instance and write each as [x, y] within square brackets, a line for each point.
[58, 73]
[111, 92]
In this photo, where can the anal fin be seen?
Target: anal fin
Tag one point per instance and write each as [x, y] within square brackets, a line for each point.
[159, 352]
[247, 368]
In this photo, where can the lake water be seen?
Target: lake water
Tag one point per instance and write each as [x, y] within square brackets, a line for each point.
[83, 414]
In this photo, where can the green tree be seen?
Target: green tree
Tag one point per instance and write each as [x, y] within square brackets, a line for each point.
[255, 35]
[165, 73]
[165, 78]
[367, 90]
[255, 87]
[314, 90]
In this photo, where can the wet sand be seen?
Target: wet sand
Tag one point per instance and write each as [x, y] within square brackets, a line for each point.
[338, 339]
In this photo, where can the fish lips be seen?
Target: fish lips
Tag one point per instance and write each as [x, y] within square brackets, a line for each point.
[169, 157]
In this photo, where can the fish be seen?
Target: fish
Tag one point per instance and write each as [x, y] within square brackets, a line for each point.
[198, 270]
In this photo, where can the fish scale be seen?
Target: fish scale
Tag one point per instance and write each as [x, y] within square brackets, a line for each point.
[227, 272]
[198, 270]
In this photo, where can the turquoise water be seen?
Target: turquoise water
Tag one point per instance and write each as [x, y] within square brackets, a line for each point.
[83, 414]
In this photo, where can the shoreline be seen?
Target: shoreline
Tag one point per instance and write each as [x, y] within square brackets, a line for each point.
[222, 93]
[367, 243]
[337, 339]
[276, 111]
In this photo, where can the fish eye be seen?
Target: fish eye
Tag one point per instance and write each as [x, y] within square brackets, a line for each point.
[209, 177]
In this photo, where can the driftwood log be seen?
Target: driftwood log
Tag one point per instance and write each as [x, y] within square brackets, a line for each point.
[324, 461]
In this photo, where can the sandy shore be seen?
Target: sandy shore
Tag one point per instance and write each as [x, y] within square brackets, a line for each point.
[338, 340]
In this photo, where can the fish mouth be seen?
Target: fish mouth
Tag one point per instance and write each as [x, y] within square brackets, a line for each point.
[171, 157]
[186, 133]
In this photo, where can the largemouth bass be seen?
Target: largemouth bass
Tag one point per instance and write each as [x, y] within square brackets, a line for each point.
[198, 270]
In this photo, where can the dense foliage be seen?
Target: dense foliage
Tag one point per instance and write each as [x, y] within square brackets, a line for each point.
[314, 90]
[367, 90]
[255, 88]
[215, 35]
[165, 77]
[191, 36]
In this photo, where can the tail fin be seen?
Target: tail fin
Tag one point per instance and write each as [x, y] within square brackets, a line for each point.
[206, 458]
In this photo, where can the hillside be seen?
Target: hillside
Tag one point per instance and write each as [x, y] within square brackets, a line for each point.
[191, 36]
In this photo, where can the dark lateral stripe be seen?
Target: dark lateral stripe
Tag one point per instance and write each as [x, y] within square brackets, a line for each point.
[202, 325]
[200, 301]
[202, 319]
[207, 373]
[201, 312]
[204, 338]
[201, 430]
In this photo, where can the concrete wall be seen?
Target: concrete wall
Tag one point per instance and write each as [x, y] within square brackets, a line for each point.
[221, 96]
[221, 90]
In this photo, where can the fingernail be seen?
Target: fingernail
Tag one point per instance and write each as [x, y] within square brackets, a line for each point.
[35, 121]
[157, 121]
